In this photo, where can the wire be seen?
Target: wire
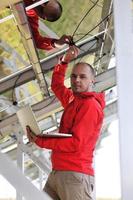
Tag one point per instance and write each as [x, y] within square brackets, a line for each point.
[78, 34]
[97, 4]
[84, 18]
[105, 18]
[45, 105]
[13, 90]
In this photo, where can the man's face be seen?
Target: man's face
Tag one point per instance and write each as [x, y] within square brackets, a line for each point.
[81, 78]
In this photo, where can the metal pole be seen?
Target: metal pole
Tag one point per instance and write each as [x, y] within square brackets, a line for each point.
[124, 54]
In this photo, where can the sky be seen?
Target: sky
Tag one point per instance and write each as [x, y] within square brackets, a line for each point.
[106, 168]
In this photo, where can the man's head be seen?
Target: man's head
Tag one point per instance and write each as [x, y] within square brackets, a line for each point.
[82, 78]
[50, 11]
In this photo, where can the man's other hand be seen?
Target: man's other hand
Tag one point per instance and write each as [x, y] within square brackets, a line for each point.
[71, 53]
[65, 39]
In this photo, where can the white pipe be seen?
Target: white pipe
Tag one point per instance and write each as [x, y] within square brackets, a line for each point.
[36, 4]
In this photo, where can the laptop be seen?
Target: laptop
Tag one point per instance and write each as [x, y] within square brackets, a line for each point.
[26, 117]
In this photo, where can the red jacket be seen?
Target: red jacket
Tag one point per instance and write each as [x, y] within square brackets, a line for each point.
[40, 41]
[83, 116]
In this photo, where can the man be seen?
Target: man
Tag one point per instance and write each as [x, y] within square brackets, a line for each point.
[72, 176]
[50, 11]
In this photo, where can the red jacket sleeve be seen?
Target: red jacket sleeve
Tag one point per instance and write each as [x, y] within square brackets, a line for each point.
[40, 41]
[64, 94]
[85, 132]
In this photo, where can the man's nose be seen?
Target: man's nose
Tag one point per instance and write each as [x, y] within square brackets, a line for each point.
[77, 79]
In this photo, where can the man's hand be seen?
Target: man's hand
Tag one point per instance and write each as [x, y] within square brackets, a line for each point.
[71, 53]
[31, 136]
[65, 39]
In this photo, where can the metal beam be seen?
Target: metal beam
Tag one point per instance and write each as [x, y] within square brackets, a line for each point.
[108, 38]
[39, 162]
[29, 45]
[20, 182]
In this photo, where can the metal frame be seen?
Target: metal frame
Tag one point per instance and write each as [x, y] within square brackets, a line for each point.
[27, 74]
[29, 45]
[20, 182]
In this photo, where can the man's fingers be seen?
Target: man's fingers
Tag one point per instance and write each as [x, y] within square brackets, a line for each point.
[70, 54]
[67, 39]
[74, 50]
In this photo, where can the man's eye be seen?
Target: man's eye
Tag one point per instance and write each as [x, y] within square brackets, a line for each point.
[82, 77]
[73, 76]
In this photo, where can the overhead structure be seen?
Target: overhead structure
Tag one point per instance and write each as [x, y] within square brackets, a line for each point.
[87, 46]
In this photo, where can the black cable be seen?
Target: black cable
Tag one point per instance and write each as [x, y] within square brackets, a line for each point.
[45, 105]
[78, 34]
[84, 18]
[14, 102]
[105, 18]
[97, 4]
[46, 84]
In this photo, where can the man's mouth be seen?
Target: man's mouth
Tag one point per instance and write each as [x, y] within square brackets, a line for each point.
[77, 86]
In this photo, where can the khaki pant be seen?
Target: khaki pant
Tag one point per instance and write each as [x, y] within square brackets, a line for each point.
[68, 185]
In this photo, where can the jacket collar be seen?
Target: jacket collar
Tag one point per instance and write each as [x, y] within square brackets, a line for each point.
[100, 97]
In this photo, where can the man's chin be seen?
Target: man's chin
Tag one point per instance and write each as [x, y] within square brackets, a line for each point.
[77, 90]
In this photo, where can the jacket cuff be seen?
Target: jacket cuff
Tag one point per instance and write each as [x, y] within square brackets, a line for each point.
[62, 62]
[53, 43]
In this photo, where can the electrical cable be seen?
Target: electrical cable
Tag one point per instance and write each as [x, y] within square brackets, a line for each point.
[91, 29]
[97, 4]
[78, 34]
[45, 105]
[14, 102]
[84, 18]
[104, 19]
[94, 4]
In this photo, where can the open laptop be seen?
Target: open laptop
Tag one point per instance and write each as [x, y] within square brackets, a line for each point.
[27, 118]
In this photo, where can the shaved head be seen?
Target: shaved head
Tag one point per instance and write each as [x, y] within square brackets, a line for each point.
[50, 11]
[82, 77]
[84, 64]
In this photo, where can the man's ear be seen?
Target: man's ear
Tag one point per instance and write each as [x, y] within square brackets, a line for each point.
[93, 82]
